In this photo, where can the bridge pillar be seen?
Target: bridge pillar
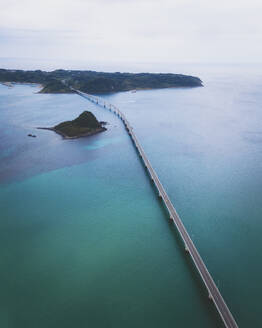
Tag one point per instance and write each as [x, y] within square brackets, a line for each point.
[186, 249]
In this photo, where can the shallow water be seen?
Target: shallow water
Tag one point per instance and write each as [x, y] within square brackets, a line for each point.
[84, 239]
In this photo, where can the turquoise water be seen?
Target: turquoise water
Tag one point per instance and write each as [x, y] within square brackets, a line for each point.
[85, 241]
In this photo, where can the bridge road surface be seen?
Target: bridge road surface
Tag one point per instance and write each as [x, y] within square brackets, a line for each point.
[213, 292]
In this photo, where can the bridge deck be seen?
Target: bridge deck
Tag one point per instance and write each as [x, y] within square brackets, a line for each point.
[212, 289]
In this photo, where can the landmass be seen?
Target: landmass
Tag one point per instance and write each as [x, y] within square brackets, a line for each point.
[84, 125]
[56, 86]
[60, 81]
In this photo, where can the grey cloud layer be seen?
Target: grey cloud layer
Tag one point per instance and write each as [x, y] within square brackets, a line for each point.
[131, 30]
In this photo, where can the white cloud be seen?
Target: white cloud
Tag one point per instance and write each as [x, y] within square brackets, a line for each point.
[132, 30]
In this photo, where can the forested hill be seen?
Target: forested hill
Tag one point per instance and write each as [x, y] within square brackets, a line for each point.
[97, 82]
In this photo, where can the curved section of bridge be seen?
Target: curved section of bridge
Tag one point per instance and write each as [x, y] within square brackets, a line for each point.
[213, 292]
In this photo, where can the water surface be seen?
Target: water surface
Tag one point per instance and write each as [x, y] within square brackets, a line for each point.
[84, 239]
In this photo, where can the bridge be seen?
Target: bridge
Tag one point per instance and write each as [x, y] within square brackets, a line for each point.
[213, 292]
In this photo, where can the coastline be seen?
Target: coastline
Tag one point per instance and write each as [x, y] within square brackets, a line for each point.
[92, 82]
[95, 131]
[12, 83]
[41, 86]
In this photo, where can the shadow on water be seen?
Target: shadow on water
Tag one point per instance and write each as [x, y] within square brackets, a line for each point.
[186, 258]
[18, 167]
[211, 309]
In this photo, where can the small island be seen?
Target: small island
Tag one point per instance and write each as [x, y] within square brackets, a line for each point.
[84, 125]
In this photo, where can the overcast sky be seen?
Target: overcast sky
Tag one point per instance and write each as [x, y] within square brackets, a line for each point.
[121, 33]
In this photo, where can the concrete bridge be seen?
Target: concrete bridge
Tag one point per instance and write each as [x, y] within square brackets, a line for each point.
[213, 292]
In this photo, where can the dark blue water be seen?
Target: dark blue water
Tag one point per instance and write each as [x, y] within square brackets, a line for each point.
[85, 241]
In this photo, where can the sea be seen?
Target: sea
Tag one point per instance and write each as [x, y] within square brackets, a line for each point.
[85, 240]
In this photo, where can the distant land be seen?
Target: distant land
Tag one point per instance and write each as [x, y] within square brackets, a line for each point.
[60, 80]
[84, 125]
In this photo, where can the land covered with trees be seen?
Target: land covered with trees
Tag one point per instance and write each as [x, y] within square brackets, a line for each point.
[84, 125]
[60, 81]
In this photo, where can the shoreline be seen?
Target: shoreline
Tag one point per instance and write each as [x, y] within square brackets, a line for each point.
[12, 83]
[74, 137]
[41, 86]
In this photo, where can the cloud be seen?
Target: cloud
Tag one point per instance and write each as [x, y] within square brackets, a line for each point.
[132, 30]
